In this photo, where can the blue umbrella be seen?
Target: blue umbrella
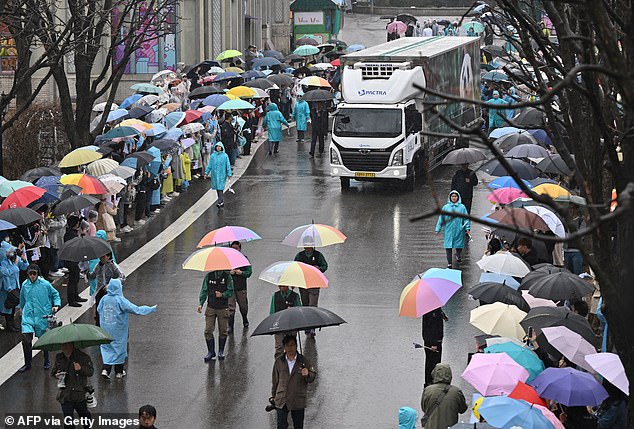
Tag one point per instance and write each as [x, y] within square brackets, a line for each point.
[173, 119]
[130, 101]
[173, 134]
[569, 387]
[523, 356]
[130, 162]
[156, 152]
[507, 182]
[542, 136]
[499, 132]
[265, 62]
[495, 76]
[253, 74]
[48, 180]
[4, 225]
[354, 48]
[215, 100]
[226, 76]
[505, 412]
[499, 278]
[116, 115]
[157, 129]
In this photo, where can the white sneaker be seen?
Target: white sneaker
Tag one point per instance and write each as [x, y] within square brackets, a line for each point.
[58, 273]
[139, 222]
[174, 194]
[105, 374]
[115, 240]
[157, 211]
[126, 229]
[121, 375]
[64, 269]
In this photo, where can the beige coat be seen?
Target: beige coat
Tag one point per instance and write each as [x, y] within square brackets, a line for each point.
[290, 389]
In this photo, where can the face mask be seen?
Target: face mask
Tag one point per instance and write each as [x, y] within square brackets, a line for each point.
[11, 255]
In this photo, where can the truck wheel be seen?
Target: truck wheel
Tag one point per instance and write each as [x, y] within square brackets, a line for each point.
[409, 184]
[345, 183]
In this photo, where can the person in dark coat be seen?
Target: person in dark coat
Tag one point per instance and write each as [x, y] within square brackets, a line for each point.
[446, 413]
[319, 126]
[239, 297]
[72, 291]
[147, 417]
[464, 181]
[72, 368]
[612, 414]
[433, 332]
[216, 289]
[526, 252]
[292, 373]
[310, 296]
[228, 138]
[281, 300]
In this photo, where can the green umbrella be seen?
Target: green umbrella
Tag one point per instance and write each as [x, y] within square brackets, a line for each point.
[523, 356]
[80, 334]
[147, 88]
[478, 28]
[121, 132]
[228, 54]
[7, 187]
[306, 50]
[235, 105]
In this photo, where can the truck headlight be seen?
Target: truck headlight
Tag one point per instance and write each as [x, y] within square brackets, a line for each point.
[398, 158]
[334, 157]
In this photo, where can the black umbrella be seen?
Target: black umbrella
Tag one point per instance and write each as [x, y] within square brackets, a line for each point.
[273, 54]
[549, 268]
[74, 204]
[523, 169]
[467, 155]
[443, 22]
[204, 91]
[139, 111]
[262, 83]
[302, 70]
[203, 67]
[560, 286]
[540, 271]
[554, 164]
[407, 18]
[494, 50]
[509, 141]
[20, 216]
[164, 145]
[490, 292]
[530, 117]
[338, 43]
[296, 319]
[143, 157]
[306, 41]
[293, 58]
[82, 249]
[68, 191]
[319, 95]
[544, 317]
[35, 173]
[282, 79]
[108, 147]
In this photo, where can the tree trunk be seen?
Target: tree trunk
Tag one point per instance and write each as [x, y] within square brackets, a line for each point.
[23, 72]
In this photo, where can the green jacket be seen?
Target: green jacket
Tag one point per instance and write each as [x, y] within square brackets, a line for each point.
[446, 413]
[316, 259]
[297, 303]
[204, 292]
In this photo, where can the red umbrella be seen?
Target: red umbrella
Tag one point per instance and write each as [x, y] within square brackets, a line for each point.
[527, 393]
[22, 197]
[396, 27]
[191, 116]
[336, 62]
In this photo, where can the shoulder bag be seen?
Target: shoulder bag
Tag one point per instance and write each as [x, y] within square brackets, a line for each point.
[425, 418]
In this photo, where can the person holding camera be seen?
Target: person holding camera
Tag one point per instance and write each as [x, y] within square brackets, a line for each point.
[72, 368]
[217, 288]
[38, 299]
[291, 374]
[239, 297]
[281, 300]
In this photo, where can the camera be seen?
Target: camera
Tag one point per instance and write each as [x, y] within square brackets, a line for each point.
[271, 405]
[91, 401]
[52, 321]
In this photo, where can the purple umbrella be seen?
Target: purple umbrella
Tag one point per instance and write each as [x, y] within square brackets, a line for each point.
[569, 387]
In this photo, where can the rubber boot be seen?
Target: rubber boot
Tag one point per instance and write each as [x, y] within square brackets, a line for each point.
[221, 348]
[10, 323]
[28, 357]
[211, 350]
[231, 322]
[245, 322]
[47, 361]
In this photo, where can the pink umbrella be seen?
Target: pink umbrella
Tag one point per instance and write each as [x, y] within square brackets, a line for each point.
[396, 26]
[570, 344]
[550, 416]
[506, 195]
[537, 302]
[494, 373]
[226, 235]
[609, 366]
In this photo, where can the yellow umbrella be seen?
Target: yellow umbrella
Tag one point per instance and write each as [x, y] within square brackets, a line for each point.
[136, 123]
[498, 319]
[234, 69]
[242, 91]
[231, 96]
[79, 157]
[552, 190]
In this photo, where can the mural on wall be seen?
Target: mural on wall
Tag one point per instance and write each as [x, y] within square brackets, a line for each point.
[8, 51]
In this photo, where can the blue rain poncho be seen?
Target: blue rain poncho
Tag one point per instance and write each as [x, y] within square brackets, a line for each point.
[36, 301]
[218, 168]
[455, 227]
[9, 274]
[273, 122]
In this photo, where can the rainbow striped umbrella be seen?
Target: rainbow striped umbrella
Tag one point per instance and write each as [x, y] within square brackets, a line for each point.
[429, 291]
[226, 235]
[315, 81]
[88, 184]
[294, 274]
[314, 235]
[215, 258]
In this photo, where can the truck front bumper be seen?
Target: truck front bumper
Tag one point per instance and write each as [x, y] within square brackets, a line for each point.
[389, 173]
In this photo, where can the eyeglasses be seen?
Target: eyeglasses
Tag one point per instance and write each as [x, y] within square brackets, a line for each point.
[33, 273]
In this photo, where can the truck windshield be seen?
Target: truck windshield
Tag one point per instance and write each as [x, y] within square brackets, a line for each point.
[368, 122]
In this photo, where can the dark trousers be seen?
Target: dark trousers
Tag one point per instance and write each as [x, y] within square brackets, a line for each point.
[300, 134]
[449, 253]
[296, 415]
[467, 204]
[233, 153]
[139, 209]
[118, 368]
[221, 196]
[69, 408]
[27, 349]
[124, 218]
[72, 293]
[431, 359]
[317, 134]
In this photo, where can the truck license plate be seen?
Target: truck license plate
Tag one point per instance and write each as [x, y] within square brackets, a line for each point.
[361, 174]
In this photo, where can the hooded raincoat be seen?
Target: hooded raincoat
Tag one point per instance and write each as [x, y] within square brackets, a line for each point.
[36, 300]
[94, 262]
[446, 413]
[273, 123]
[301, 113]
[113, 318]
[406, 418]
[455, 227]
[218, 168]
[9, 275]
[497, 113]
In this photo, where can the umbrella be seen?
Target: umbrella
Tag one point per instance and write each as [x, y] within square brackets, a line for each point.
[142, 158]
[354, 48]
[538, 273]
[9, 186]
[530, 118]
[498, 292]
[114, 183]
[314, 235]
[165, 75]
[297, 318]
[236, 105]
[336, 63]
[227, 76]
[119, 133]
[552, 220]
[88, 184]
[504, 263]
[537, 302]
[74, 204]
[252, 74]
[227, 235]
[526, 393]
[140, 125]
[140, 111]
[527, 151]
[499, 278]
[610, 367]
[228, 54]
[499, 132]
[522, 355]
[174, 119]
[148, 100]
[164, 145]
[467, 155]
[498, 319]
[429, 291]
[505, 412]
[552, 190]
[494, 374]
[20, 216]
[523, 169]
[117, 114]
[204, 91]
[147, 88]
[569, 387]
[554, 164]
[80, 334]
[306, 40]
[35, 173]
[541, 136]
[100, 107]
[294, 274]
[396, 27]
[318, 95]
[202, 68]
[157, 129]
[192, 128]
[282, 79]
[215, 100]
[82, 249]
[477, 27]
[407, 18]
[494, 50]
[22, 197]
[512, 140]
[519, 218]
[265, 62]
[192, 116]
[102, 166]
[293, 58]
[495, 76]
[507, 182]
[215, 258]
[315, 81]
[130, 101]
[4, 225]
[570, 344]
[264, 83]
[271, 53]
[560, 286]
[552, 418]
[544, 317]
[79, 157]
[306, 50]
[260, 93]
[505, 196]
[123, 172]
[242, 91]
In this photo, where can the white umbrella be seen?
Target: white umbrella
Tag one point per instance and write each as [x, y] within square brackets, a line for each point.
[156, 115]
[498, 319]
[552, 220]
[102, 166]
[95, 122]
[570, 344]
[123, 171]
[504, 263]
[114, 183]
[609, 366]
[149, 99]
[502, 340]
[100, 107]
[192, 128]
